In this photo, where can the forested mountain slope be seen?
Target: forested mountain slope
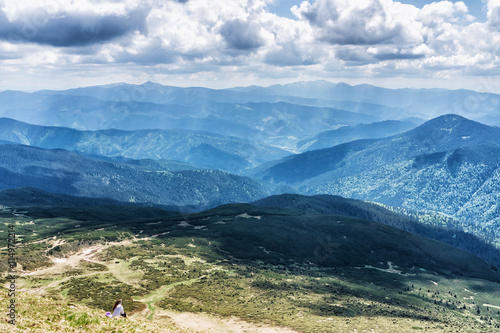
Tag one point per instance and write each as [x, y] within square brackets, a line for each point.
[449, 164]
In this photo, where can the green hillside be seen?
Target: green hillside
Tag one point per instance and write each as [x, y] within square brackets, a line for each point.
[264, 266]
[428, 224]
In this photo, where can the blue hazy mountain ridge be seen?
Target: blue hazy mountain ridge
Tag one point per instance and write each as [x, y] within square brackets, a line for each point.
[63, 172]
[421, 103]
[376, 101]
[285, 119]
[449, 164]
[91, 107]
[261, 122]
[198, 149]
[202, 149]
[278, 115]
[360, 93]
[330, 138]
[196, 96]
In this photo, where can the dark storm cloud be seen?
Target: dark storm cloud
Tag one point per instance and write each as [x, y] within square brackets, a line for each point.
[69, 30]
[241, 35]
[359, 56]
[354, 55]
[355, 33]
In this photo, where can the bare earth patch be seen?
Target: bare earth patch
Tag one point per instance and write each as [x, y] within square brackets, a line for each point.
[62, 265]
[212, 324]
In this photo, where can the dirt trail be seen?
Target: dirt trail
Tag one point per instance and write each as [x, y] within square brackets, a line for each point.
[211, 324]
[193, 321]
[62, 264]
[71, 261]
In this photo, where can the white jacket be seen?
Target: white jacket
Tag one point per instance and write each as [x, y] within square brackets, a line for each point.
[118, 311]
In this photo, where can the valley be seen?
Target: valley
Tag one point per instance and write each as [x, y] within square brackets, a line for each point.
[308, 207]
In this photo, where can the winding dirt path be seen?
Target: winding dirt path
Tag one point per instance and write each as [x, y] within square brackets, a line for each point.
[61, 265]
[72, 261]
[211, 324]
[193, 321]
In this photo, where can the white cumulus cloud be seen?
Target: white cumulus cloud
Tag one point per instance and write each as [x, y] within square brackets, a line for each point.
[242, 39]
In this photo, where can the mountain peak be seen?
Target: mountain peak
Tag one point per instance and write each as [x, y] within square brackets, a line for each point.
[149, 84]
[452, 131]
[453, 124]
[310, 84]
[450, 118]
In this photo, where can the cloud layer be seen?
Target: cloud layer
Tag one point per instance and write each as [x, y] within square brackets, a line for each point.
[236, 39]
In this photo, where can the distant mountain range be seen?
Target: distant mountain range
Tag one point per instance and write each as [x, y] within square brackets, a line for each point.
[309, 138]
[63, 172]
[195, 148]
[201, 149]
[367, 99]
[330, 138]
[100, 108]
[449, 164]
[279, 116]
[421, 103]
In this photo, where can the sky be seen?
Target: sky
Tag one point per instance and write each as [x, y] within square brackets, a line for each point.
[61, 44]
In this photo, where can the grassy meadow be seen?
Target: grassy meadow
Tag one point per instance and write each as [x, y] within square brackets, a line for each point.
[268, 268]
